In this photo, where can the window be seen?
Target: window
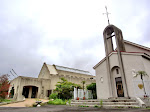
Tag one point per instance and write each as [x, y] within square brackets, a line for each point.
[117, 71]
[49, 92]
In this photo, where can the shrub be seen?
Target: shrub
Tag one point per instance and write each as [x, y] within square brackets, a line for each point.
[58, 102]
[65, 88]
[4, 86]
[96, 106]
[92, 87]
[101, 103]
[53, 96]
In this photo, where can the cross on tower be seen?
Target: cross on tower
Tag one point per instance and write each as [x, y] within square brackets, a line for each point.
[107, 15]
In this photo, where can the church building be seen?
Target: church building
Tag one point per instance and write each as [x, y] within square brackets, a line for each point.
[116, 73]
[43, 86]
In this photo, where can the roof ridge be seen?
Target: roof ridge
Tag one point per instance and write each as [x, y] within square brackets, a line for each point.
[135, 44]
[71, 68]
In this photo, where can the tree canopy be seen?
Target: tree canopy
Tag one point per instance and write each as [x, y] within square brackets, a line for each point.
[65, 89]
[92, 87]
[4, 86]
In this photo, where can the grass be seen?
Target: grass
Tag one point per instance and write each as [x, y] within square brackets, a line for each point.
[58, 102]
[96, 106]
[147, 107]
[83, 106]
[101, 103]
[5, 100]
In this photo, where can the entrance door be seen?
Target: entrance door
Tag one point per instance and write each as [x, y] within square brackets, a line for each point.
[119, 87]
[25, 91]
[34, 92]
[49, 92]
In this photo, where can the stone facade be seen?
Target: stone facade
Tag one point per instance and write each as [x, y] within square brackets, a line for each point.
[41, 87]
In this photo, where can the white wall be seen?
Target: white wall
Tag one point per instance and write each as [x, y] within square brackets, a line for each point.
[102, 87]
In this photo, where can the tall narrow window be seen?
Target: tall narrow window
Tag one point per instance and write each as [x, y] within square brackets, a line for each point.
[117, 71]
[113, 41]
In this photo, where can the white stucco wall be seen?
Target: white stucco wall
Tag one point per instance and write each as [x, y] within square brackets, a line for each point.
[132, 48]
[130, 61]
[102, 87]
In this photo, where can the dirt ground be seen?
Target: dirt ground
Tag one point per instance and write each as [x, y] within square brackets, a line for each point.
[64, 108]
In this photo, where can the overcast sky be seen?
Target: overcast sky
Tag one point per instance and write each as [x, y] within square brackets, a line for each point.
[65, 32]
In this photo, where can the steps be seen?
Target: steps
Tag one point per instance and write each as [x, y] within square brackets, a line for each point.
[107, 103]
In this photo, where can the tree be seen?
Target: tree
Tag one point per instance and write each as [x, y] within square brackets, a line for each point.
[92, 87]
[64, 89]
[4, 85]
[142, 73]
[83, 82]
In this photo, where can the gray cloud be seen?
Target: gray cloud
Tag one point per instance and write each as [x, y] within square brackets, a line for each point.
[33, 32]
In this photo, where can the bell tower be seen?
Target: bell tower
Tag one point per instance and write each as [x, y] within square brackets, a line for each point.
[110, 32]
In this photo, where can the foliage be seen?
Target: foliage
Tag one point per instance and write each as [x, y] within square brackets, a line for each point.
[92, 87]
[64, 89]
[4, 86]
[69, 101]
[101, 103]
[33, 105]
[83, 82]
[83, 106]
[5, 100]
[96, 106]
[57, 102]
[141, 73]
[53, 96]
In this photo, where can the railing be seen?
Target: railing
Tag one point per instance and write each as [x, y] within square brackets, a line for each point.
[80, 93]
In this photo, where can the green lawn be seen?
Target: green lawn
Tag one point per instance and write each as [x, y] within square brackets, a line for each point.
[5, 100]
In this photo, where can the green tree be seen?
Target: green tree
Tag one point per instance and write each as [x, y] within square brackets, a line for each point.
[142, 73]
[92, 87]
[65, 89]
[83, 82]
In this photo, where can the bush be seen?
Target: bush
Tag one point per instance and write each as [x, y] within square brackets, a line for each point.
[65, 89]
[53, 96]
[58, 102]
[4, 86]
[92, 87]
[5, 100]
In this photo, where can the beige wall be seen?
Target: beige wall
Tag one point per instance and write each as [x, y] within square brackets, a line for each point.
[19, 82]
[131, 61]
[47, 81]
[102, 86]
[132, 48]
[70, 76]
[76, 77]
[44, 73]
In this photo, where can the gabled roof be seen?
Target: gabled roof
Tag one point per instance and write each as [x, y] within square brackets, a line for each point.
[51, 69]
[131, 43]
[73, 70]
[137, 45]
[129, 53]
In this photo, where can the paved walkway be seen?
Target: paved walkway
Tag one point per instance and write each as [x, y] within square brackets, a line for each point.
[26, 103]
[64, 108]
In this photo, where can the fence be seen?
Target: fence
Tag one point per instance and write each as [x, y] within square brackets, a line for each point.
[80, 93]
